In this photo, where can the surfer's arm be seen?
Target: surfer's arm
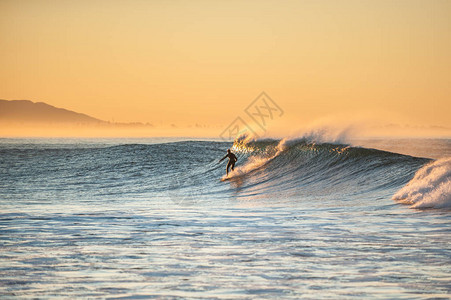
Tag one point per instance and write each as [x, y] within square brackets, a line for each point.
[222, 158]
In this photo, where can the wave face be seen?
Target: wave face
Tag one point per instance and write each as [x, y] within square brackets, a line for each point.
[301, 168]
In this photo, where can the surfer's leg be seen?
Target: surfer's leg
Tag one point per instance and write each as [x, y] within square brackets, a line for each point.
[228, 166]
[233, 166]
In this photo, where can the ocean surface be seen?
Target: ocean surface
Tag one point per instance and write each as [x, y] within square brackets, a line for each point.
[157, 218]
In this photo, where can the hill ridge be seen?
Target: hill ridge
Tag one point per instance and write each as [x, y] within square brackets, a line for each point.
[27, 111]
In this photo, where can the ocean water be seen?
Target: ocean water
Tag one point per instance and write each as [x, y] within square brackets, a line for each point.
[157, 218]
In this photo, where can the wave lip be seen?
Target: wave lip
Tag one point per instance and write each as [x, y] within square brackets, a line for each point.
[430, 187]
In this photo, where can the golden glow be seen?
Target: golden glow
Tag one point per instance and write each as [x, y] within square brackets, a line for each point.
[188, 62]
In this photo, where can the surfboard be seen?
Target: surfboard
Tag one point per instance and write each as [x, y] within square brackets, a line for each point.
[233, 175]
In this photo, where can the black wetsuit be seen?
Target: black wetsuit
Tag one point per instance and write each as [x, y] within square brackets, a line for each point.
[232, 161]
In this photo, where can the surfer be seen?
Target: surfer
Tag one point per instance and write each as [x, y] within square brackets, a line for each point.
[232, 160]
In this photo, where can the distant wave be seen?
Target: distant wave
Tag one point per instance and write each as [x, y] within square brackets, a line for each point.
[430, 187]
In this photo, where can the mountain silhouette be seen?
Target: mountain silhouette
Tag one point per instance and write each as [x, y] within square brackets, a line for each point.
[25, 111]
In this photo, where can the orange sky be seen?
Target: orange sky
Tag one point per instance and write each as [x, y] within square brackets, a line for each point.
[188, 62]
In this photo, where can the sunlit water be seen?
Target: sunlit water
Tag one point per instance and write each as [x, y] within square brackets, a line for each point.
[151, 218]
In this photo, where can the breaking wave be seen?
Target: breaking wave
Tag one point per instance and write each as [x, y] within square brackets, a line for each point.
[430, 187]
[305, 168]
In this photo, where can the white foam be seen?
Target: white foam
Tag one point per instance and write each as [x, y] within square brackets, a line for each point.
[255, 162]
[430, 187]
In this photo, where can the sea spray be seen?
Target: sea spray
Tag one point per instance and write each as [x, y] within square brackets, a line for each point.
[255, 161]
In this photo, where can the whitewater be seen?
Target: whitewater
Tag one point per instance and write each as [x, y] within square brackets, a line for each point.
[158, 218]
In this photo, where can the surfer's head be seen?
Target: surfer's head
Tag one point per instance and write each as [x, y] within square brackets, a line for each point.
[228, 150]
